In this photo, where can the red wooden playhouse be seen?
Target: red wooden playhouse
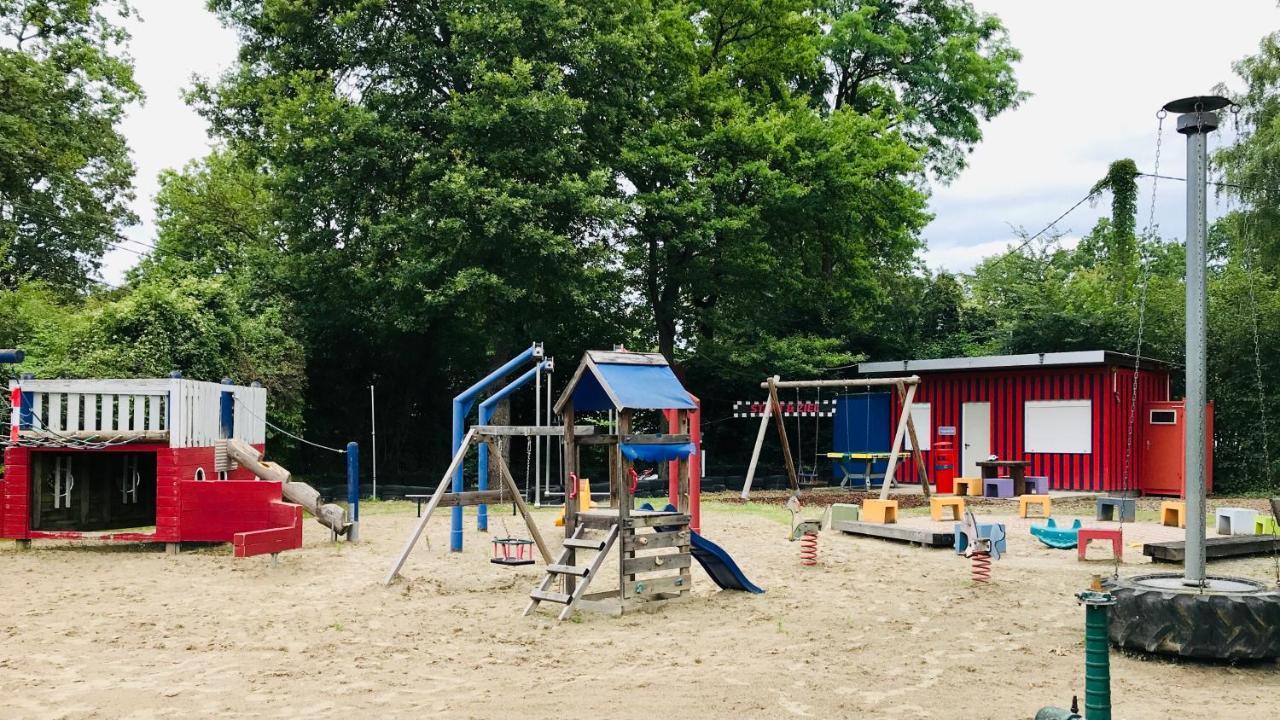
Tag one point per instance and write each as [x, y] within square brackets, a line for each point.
[1068, 413]
[140, 461]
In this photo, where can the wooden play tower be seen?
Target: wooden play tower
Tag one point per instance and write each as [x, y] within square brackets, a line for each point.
[652, 547]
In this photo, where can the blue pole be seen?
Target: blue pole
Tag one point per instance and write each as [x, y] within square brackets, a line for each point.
[353, 490]
[487, 409]
[462, 404]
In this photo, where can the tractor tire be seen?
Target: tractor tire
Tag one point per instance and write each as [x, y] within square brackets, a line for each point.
[1154, 614]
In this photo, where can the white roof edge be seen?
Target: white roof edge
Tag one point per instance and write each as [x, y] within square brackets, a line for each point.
[995, 362]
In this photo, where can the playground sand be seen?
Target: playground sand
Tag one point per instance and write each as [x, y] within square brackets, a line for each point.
[876, 630]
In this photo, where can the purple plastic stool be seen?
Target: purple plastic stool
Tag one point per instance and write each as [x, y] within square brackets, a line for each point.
[1037, 485]
[997, 487]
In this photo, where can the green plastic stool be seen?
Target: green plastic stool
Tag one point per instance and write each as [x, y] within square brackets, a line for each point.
[1266, 526]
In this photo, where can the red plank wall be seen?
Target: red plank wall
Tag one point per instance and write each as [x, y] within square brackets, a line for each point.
[186, 509]
[1109, 388]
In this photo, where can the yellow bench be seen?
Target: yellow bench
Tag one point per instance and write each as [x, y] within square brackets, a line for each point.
[970, 486]
[883, 512]
[1026, 501]
[1173, 514]
[938, 504]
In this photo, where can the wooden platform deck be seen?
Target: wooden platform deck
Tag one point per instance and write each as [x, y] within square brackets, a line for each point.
[900, 533]
[1218, 548]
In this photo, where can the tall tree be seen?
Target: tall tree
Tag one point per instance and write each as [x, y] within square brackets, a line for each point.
[65, 173]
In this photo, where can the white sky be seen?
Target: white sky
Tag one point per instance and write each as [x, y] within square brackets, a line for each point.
[1098, 71]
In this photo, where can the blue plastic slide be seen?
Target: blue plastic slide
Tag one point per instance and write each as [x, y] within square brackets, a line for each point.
[718, 564]
[722, 569]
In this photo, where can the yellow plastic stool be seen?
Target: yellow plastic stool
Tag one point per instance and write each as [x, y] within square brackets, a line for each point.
[883, 512]
[970, 486]
[1026, 501]
[938, 504]
[1173, 514]
[584, 500]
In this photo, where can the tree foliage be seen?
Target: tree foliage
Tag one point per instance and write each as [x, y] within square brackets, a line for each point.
[65, 173]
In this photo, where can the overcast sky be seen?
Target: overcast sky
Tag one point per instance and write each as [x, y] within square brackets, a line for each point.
[1098, 72]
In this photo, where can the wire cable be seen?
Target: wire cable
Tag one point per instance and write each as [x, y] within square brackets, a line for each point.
[282, 431]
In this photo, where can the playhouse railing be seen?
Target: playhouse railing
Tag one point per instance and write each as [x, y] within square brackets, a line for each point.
[84, 408]
[183, 413]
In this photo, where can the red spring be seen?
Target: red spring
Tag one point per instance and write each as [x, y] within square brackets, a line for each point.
[981, 567]
[809, 549]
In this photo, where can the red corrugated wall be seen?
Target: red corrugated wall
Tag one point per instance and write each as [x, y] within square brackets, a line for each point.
[1109, 389]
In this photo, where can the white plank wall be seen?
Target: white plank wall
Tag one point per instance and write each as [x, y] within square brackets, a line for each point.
[188, 410]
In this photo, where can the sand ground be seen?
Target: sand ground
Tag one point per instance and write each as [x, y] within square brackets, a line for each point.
[876, 630]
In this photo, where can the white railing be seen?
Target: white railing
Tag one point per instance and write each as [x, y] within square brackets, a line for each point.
[77, 407]
[187, 412]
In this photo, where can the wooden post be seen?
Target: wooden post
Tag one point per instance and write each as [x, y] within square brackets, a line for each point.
[921, 467]
[518, 499]
[903, 421]
[782, 434]
[570, 504]
[755, 453]
[624, 502]
[434, 502]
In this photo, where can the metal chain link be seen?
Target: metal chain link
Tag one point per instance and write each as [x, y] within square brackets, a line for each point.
[1144, 262]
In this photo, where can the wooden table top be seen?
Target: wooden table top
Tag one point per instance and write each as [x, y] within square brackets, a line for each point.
[859, 455]
[1003, 463]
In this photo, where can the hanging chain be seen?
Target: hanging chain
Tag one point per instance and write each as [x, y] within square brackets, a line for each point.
[1126, 480]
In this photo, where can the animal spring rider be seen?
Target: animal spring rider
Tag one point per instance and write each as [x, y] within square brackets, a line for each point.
[981, 550]
[806, 531]
[1097, 658]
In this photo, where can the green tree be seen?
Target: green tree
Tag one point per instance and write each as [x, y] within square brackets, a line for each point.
[65, 173]
[934, 68]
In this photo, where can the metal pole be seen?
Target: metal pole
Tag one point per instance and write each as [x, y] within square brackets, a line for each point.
[1196, 126]
[353, 490]
[373, 437]
[536, 439]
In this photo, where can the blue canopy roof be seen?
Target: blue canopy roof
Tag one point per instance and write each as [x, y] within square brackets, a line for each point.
[621, 381]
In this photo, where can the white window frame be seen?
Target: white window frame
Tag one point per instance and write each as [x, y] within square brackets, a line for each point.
[922, 418]
[1059, 427]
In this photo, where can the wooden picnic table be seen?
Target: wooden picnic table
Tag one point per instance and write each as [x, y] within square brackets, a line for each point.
[1017, 472]
[868, 458]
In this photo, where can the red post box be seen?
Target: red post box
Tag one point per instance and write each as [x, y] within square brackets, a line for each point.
[944, 466]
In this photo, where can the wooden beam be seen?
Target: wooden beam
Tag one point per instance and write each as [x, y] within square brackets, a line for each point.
[897, 443]
[1216, 548]
[529, 430]
[431, 505]
[781, 424]
[902, 533]
[755, 451]
[478, 497]
[921, 469]
[112, 436]
[516, 497]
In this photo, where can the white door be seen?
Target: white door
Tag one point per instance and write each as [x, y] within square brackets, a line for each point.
[975, 433]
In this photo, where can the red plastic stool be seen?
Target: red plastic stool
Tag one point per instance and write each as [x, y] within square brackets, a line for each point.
[1087, 534]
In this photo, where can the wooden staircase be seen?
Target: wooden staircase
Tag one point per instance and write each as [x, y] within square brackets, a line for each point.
[565, 566]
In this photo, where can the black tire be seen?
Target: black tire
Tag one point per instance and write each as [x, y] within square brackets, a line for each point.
[1210, 625]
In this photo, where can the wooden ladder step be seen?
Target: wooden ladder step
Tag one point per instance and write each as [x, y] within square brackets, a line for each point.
[548, 596]
[568, 570]
[596, 545]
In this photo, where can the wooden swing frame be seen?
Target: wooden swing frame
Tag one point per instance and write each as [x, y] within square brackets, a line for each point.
[906, 389]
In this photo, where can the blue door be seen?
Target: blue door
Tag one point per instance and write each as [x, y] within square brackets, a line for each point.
[861, 425]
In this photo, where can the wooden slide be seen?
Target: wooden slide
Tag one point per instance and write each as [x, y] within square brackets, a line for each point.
[327, 514]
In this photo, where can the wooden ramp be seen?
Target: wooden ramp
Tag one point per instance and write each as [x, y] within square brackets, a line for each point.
[1218, 548]
[900, 533]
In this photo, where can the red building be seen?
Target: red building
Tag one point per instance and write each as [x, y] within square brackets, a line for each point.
[1068, 413]
[139, 461]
